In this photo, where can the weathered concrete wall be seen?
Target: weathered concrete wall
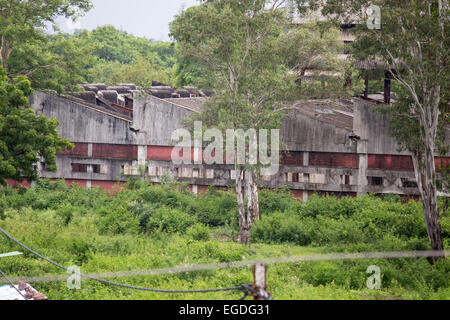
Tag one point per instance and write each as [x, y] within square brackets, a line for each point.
[79, 123]
[374, 127]
[156, 120]
[114, 169]
[302, 133]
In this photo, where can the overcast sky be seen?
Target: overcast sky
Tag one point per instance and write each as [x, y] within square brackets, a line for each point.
[144, 18]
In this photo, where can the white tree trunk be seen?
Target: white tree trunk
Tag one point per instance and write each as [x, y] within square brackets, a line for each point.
[251, 191]
[425, 171]
[244, 220]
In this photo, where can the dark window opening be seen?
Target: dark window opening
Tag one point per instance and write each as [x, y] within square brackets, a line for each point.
[375, 181]
[96, 168]
[79, 167]
[407, 183]
[345, 179]
[306, 178]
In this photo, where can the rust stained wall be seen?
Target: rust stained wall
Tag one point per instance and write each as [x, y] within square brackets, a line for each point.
[80, 183]
[12, 183]
[334, 160]
[112, 186]
[292, 158]
[298, 194]
[444, 162]
[114, 151]
[157, 153]
[399, 163]
[80, 150]
[390, 162]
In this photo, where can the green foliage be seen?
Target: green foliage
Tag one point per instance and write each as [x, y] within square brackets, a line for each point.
[24, 137]
[330, 221]
[314, 48]
[140, 72]
[240, 55]
[124, 58]
[51, 62]
[117, 221]
[169, 220]
[153, 227]
[199, 232]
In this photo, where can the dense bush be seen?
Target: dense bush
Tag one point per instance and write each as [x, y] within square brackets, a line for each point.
[145, 226]
[169, 220]
[325, 221]
[199, 232]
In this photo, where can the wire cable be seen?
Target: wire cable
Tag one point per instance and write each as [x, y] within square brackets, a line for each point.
[12, 284]
[239, 288]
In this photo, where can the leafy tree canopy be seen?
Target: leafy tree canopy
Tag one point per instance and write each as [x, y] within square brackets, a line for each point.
[26, 138]
[27, 50]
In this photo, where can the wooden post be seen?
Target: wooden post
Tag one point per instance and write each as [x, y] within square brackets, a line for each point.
[260, 281]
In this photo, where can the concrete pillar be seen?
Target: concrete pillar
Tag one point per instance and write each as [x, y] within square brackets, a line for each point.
[142, 155]
[362, 168]
[306, 159]
[195, 189]
[90, 150]
[88, 184]
[305, 196]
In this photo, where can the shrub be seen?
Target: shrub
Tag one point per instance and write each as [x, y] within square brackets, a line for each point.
[119, 221]
[281, 227]
[199, 232]
[169, 220]
[216, 208]
[278, 200]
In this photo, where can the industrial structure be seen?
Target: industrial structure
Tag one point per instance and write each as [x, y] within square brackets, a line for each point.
[339, 147]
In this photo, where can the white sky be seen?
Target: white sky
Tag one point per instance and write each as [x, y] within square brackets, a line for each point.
[143, 18]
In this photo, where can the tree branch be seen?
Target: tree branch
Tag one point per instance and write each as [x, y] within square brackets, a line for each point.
[30, 72]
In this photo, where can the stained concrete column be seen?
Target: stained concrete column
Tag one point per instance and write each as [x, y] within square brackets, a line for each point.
[142, 155]
[90, 170]
[362, 167]
[306, 159]
[305, 164]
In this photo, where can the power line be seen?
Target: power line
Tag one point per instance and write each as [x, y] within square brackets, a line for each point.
[12, 285]
[239, 288]
[247, 263]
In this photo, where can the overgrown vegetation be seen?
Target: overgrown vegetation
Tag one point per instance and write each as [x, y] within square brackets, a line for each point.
[147, 227]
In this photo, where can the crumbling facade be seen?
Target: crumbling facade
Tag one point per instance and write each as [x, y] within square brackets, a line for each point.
[330, 147]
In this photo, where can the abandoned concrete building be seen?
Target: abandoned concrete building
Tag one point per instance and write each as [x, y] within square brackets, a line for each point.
[339, 147]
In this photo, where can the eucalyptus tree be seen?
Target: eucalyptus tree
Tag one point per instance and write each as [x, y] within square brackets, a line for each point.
[411, 38]
[237, 43]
